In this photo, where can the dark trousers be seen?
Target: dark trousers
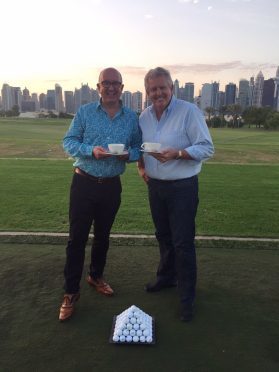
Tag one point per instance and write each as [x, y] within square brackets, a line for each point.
[90, 203]
[173, 207]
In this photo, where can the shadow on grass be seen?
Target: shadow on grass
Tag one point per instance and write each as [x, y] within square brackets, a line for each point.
[235, 328]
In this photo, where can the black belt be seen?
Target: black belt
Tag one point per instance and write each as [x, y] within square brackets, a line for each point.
[96, 179]
[173, 181]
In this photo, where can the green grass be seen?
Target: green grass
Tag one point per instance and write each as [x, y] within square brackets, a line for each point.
[235, 328]
[235, 200]
[238, 187]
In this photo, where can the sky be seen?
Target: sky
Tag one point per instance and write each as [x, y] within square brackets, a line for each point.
[70, 41]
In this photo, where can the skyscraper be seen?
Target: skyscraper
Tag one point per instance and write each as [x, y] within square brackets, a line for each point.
[243, 94]
[276, 93]
[268, 93]
[176, 88]
[43, 101]
[230, 94]
[50, 99]
[137, 102]
[59, 104]
[127, 99]
[189, 92]
[214, 95]
[8, 97]
[85, 94]
[206, 96]
[258, 90]
[69, 101]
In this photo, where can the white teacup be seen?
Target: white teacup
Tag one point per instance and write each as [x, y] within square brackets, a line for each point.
[151, 146]
[116, 148]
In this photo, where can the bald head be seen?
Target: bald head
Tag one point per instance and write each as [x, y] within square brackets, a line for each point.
[110, 71]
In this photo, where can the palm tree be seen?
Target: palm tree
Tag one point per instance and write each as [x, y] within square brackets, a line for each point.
[222, 111]
[235, 111]
[210, 111]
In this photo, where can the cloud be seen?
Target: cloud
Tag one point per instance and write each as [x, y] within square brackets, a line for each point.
[218, 67]
[189, 1]
[209, 8]
[148, 16]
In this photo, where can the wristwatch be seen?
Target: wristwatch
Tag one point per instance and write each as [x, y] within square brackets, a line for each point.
[179, 156]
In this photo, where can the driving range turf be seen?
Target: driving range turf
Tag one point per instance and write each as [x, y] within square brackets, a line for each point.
[235, 327]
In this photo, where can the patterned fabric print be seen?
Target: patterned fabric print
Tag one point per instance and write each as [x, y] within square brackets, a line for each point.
[92, 127]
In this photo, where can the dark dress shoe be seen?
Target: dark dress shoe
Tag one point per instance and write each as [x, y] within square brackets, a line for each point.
[158, 286]
[187, 312]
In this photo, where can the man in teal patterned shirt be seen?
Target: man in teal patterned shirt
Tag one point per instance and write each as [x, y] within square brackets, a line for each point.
[95, 194]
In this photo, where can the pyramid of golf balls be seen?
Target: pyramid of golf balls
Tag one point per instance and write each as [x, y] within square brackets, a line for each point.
[133, 326]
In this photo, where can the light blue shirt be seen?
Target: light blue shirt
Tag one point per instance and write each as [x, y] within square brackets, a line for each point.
[182, 127]
[92, 127]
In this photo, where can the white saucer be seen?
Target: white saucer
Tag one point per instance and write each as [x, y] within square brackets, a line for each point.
[151, 152]
[125, 152]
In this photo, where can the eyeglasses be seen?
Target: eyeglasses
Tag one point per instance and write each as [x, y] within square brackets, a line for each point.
[107, 84]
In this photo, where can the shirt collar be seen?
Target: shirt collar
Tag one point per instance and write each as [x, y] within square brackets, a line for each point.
[100, 107]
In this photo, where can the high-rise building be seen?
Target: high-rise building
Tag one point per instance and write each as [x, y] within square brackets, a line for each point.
[220, 99]
[94, 95]
[127, 99]
[50, 99]
[214, 95]
[258, 90]
[26, 95]
[251, 90]
[8, 98]
[34, 98]
[59, 104]
[43, 101]
[268, 93]
[85, 94]
[77, 99]
[189, 92]
[69, 101]
[206, 96]
[243, 94]
[137, 102]
[176, 88]
[230, 94]
[276, 92]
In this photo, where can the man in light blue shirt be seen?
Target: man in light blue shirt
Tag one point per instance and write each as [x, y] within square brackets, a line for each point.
[171, 176]
[96, 188]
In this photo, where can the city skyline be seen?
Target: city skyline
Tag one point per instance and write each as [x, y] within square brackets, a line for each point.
[257, 92]
[199, 41]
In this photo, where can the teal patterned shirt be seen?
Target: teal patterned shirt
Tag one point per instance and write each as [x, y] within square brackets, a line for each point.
[92, 127]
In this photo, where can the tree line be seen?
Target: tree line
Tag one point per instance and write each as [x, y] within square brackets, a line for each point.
[233, 116]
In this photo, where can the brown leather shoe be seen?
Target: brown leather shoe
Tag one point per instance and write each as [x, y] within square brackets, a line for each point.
[100, 285]
[67, 307]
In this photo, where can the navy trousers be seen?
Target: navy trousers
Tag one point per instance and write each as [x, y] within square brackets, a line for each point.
[91, 203]
[173, 207]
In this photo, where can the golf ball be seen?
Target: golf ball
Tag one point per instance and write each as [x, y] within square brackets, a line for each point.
[122, 338]
[129, 338]
[132, 332]
[142, 339]
[136, 339]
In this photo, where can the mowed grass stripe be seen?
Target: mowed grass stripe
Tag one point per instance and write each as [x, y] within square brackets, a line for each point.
[235, 200]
